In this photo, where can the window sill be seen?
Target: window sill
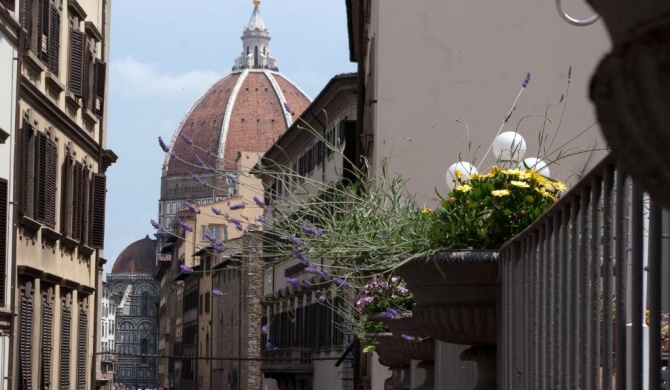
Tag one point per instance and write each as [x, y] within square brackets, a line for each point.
[54, 82]
[50, 236]
[86, 250]
[31, 60]
[68, 243]
[29, 224]
[71, 99]
[89, 116]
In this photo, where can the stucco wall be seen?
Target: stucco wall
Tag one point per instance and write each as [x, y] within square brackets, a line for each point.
[467, 60]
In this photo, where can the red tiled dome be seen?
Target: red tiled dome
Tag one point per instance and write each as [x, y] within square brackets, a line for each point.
[138, 257]
[245, 111]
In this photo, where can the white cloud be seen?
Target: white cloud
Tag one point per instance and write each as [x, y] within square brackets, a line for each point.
[132, 78]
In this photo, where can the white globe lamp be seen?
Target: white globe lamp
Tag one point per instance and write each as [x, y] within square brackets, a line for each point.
[509, 146]
[465, 168]
[535, 164]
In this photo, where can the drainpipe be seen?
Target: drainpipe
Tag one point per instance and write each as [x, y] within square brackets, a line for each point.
[17, 134]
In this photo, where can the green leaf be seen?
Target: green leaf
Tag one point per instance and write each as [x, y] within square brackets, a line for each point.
[369, 349]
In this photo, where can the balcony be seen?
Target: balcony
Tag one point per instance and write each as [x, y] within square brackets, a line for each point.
[287, 361]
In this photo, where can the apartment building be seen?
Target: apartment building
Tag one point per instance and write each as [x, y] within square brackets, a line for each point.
[59, 177]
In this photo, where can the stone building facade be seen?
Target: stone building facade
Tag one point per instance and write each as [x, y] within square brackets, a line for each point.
[136, 330]
[60, 159]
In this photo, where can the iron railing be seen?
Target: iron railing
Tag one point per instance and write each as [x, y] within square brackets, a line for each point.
[573, 291]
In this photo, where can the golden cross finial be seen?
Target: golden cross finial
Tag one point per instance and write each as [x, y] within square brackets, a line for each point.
[257, 2]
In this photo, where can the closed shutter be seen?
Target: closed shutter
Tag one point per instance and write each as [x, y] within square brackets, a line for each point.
[43, 10]
[78, 188]
[50, 183]
[47, 326]
[65, 344]
[27, 152]
[27, 21]
[76, 76]
[9, 4]
[98, 194]
[66, 196]
[25, 335]
[54, 41]
[100, 75]
[82, 338]
[4, 198]
[39, 209]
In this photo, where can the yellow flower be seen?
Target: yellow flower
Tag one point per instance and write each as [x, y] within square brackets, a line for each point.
[521, 184]
[463, 188]
[476, 176]
[500, 192]
[545, 193]
[514, 172]
[559, 185]
[426, 211]
[458, 174]
[495, 169]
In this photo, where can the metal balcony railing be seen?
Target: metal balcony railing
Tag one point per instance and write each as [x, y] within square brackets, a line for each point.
[290, 360]
[575, 285]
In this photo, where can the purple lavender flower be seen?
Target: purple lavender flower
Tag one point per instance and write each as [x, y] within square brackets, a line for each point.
[184, 225]
[526, 80]
[341, 282]
[216, 211]
[265, 329]
[646, 268]
[237, 223]
[295, 240]
[162, 144]
[232, 177]
[210, 237]
[301, 257]
[254, 250]
[195, 177]
[319, 232]
[157, 225]
[191, 207]
[217, 293]
[288, 109]
[186, 138]
[293, 282]
[200, 162]
[263, 220]
[186, 269]
[307, 229]
[321, 298]
[218, 248]
[313, 270]
[237, 206]
[629, 248]
[259, 202]
[391, 313]
[305, 283]
[665, 236]
[411, 339]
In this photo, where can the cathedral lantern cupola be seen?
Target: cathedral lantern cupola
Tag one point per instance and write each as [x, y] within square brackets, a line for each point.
[255, 44]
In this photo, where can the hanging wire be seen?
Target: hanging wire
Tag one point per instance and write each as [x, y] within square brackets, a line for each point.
[573, 21]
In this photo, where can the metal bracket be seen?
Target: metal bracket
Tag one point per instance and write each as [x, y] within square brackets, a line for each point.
[573, 21]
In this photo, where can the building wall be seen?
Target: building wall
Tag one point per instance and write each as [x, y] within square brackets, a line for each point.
[60, 137]
[465, 60]
[8, 100]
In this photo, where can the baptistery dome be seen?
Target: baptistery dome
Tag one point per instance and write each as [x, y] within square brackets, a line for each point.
[245, 111]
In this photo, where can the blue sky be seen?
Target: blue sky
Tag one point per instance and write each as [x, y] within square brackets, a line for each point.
[165, 54]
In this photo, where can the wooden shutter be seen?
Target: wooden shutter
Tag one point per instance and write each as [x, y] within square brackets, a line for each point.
[78, 192]
[26, 335]
[67, 179]
[43, 27]
[98, 194]
[39, 204]
[100, 75]
[26, 12]
[9, 4]
[54, 40]
[82, 338]
[4, 220]
[27, 161]
[50, 183]
[47, 327]
[76, 75]
[65, 344]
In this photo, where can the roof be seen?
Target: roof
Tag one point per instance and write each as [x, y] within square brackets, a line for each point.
[138, 257]
[245, 110]
[256, 20]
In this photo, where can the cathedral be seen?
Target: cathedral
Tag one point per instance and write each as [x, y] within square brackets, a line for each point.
[135, 291]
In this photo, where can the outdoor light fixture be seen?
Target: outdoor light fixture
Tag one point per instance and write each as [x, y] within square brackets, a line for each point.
[535, 164]
[465, 168]
[509, 146]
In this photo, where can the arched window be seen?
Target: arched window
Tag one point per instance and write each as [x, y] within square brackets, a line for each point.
[144, 350]
[145, 304]
[255, 56]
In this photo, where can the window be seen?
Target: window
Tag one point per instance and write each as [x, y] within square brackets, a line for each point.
[215, 232]
[144, 351]
[4, 199]
[46, 40]
[39, 158]
[145, 304]
[82, 340]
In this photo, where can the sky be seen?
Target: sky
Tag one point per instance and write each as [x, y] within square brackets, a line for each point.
[165, 54]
